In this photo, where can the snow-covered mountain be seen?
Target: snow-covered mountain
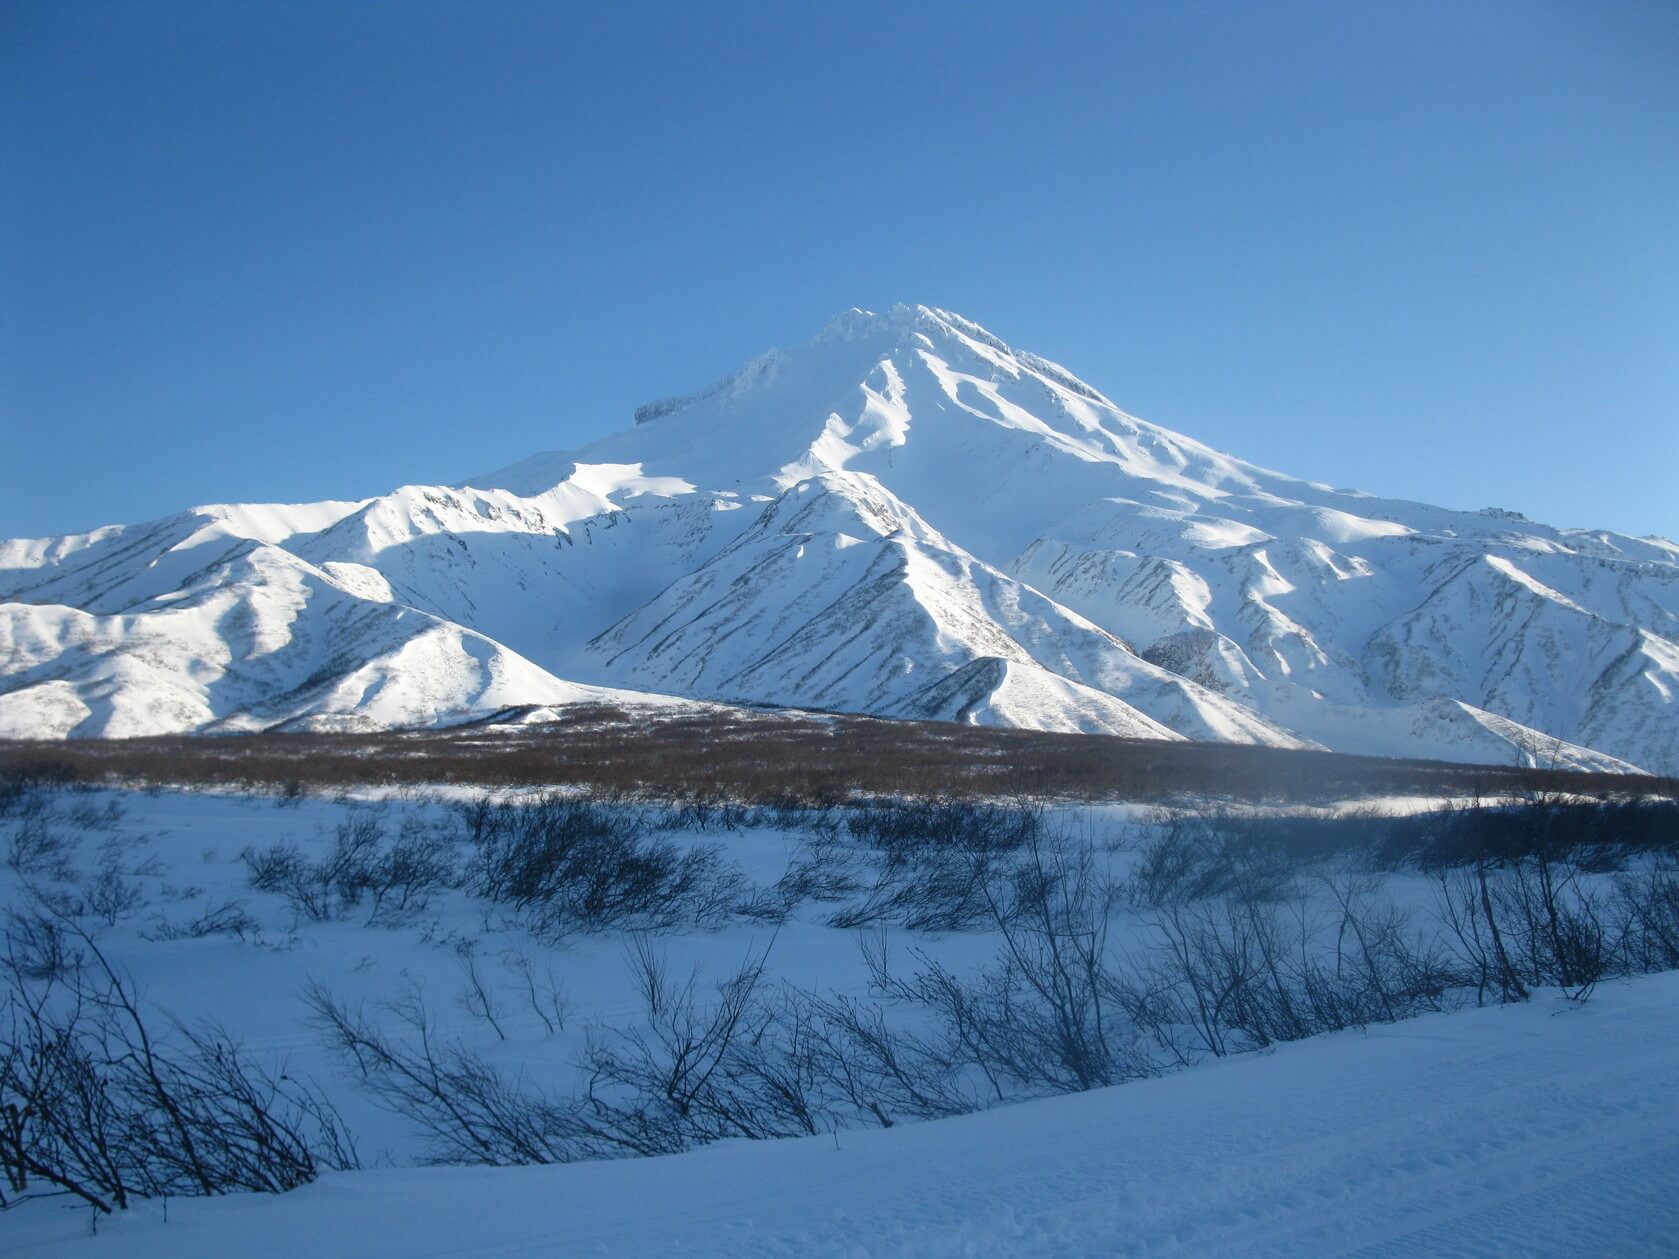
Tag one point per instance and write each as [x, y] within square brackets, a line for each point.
[903, 516]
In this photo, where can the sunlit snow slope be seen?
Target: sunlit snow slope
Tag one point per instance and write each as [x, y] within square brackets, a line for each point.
[903, 516]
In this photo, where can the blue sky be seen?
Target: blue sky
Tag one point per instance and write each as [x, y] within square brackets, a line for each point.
[292, 251]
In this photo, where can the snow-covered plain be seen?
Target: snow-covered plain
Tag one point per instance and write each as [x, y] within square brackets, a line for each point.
[903, 516]
[1547, 1128]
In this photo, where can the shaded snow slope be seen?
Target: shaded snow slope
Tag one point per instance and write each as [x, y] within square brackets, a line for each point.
[903, 515]
[1535, 1130]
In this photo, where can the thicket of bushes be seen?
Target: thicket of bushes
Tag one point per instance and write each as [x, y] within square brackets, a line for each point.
[1242, 941]
[392, 877]
[781, 757]
[563, 864]
[1595, 834]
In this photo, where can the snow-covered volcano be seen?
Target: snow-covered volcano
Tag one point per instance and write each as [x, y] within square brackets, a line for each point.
[903, 516]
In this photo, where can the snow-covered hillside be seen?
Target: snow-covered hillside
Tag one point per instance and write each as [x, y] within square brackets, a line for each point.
[903, 516]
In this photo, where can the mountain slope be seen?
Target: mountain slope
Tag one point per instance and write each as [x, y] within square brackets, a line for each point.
[254, 638]
[903, 516]
[840, 596]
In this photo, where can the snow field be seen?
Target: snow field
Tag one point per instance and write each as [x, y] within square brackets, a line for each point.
[1539, 1129]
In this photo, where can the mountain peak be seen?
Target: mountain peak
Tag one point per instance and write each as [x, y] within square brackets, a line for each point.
[869, 336]
[859, 324]
[854, 326]
[939, 325]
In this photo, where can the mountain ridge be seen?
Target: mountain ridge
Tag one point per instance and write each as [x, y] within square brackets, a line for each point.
[902, 516]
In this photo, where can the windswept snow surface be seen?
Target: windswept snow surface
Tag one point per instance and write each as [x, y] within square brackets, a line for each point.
[1531, 1131]
[903, 515]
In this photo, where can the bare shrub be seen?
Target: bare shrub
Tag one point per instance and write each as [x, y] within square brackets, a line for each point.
[1646, 911]
[1464, 904]
[733, 1058]
[1193, 856]
[397, 879]
[1057, 1010]
[94, 1104]
[39, 947]
[226, 917]
[1194, 853]
[39, 846]
[932, 862]
[284, 870]
[877, 1074]
[89, 815]
[402, 879]
[1594, 836]
[545, 993]
[706, 811]
[466, 1111]
[907, 825]
[347, 871]
[578, 865]
[16, 790]
[29, 784]
[696, 1070]
[111, 896]
[1238, 972]
[478, 998]
[1385, 969]
[1044, 1016]
[1558, 924]
[823, 867]
[1534, 921]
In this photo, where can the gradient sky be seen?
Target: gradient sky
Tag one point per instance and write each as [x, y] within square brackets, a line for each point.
[294, 251]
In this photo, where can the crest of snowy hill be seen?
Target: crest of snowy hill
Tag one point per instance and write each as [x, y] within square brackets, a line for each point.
[903, 516]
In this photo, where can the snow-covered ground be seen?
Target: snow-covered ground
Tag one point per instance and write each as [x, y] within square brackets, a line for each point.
[1539, 1130]
[1546, 1128]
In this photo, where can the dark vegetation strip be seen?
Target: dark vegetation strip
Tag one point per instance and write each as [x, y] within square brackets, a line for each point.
[790, 758]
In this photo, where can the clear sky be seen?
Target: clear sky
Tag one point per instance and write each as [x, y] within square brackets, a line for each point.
[293, 251]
